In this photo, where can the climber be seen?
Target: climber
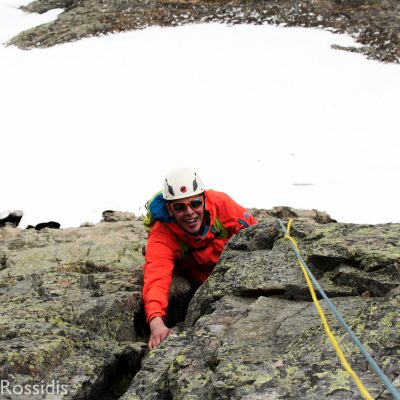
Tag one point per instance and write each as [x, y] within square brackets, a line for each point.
[188, 227]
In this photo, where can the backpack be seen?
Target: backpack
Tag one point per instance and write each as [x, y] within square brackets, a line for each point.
[156, 211]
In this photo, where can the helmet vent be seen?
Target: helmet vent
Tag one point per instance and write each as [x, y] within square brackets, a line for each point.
[195, 185]
[170, 189]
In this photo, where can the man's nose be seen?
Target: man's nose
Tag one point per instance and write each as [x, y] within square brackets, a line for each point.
[189, 210]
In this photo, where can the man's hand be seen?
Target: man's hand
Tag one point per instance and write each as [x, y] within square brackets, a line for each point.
[158, 332]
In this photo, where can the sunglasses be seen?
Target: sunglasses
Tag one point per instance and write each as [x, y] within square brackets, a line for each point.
[181, 206]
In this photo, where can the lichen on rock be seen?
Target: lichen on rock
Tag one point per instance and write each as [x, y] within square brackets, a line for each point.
[68, 301]
[251, 331]
[72, 312]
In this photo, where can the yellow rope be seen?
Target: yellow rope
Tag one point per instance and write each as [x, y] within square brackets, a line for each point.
[328, 331]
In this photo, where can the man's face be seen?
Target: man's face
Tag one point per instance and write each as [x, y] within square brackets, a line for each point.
[188, 212]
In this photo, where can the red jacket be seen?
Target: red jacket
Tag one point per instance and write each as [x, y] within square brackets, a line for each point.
[164, 249]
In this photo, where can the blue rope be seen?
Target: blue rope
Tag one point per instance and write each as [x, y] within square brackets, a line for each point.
[354, 338]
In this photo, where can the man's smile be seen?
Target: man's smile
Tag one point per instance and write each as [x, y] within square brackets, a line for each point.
[191, 220]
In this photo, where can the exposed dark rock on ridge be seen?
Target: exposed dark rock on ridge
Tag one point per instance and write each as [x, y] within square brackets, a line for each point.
[12, 218]
[375, 24]
[71, 311]
[43, 225]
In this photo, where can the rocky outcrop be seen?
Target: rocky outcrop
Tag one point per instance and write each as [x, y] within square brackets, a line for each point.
[68, 300]
[71, 312]
[288, 212]
[374, 24]
[251, 331]
[116, 216]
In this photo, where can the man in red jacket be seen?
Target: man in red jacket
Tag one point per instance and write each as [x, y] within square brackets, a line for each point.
[188, 236]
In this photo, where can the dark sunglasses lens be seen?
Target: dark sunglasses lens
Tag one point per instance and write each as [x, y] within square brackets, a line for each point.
[196, 203]
[179, 206]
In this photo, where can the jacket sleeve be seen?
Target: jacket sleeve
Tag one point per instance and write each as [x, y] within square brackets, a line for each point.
[233, 216]
[161, 252]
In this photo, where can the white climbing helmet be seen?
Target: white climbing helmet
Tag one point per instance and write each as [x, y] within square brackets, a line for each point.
[182, 182]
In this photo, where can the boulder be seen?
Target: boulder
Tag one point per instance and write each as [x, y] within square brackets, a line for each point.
[252, 332]
[50, 225]
[115, 216]
[11, 218]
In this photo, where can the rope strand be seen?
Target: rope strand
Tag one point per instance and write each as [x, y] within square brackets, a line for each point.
[307, 274]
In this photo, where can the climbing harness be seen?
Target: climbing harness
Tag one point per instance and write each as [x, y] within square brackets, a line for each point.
[310, 277]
